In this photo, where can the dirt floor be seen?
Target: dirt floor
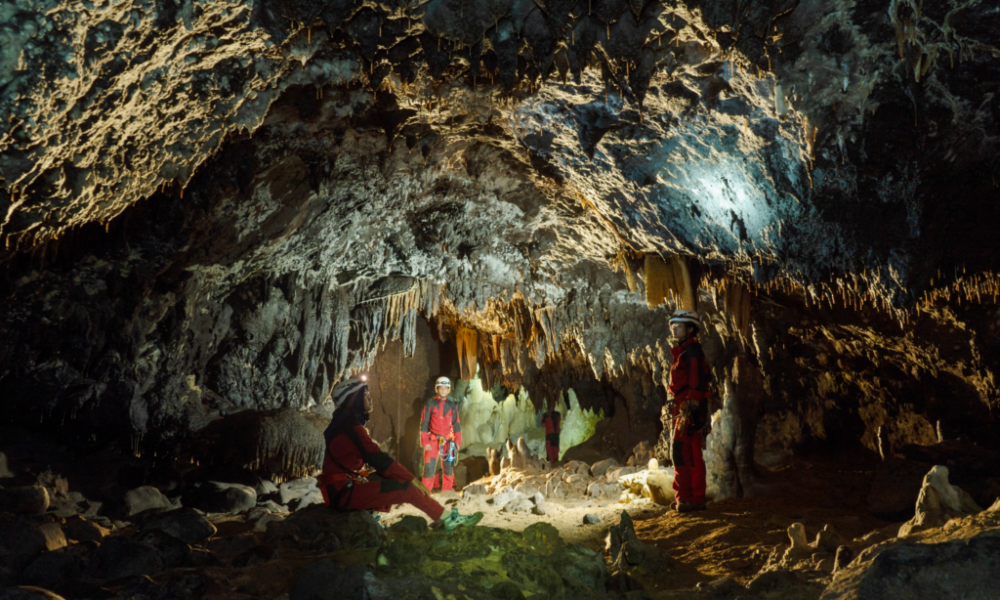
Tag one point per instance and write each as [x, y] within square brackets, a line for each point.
[732, 538]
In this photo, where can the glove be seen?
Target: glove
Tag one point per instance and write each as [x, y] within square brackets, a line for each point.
[428, 448]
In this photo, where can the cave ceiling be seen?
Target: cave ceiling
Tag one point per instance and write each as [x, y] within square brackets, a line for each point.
[232, 183]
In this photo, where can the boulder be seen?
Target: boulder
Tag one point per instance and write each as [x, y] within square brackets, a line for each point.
[534, 563]
[960, 568]
[590, 519]
[173, 551]
[20, 543]
[938, 502]
[32, 500]
[185, 524]
[145, 498]
[319, 527]
[297, 488]
[216, 497]
[53, 570]
[79, 529]
[118, 558]
[660, 483]
[324, 580]
[599, 469]
[265, 487]
[228, 548]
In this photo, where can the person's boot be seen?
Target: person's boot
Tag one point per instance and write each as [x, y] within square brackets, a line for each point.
[698, 506]
[685, 507]
[454, 520]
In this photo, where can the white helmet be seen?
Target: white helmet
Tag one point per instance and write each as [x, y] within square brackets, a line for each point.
[686, 316]
[443, 381]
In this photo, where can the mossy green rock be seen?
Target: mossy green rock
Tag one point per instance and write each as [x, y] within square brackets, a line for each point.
[486, 562]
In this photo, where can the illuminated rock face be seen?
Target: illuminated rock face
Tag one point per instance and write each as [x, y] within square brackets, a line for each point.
[221, 206]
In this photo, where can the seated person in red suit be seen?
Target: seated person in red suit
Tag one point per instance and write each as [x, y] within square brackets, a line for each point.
[345, 484]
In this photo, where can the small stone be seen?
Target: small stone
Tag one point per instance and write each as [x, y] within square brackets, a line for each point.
[601, 468]
[590, 519]
[33, 500]
[540, 509]
[145, 498]
[653, 464]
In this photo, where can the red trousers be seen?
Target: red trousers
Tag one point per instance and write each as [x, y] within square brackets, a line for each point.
[380, 496]
[689, 468]
[552, 447]
[432, 459]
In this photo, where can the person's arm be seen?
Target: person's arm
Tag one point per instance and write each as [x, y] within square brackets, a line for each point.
[694, 371]
[456, 427]
[425, 426]
[384, 465]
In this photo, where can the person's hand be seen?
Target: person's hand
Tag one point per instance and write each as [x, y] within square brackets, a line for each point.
[423, 489]
[427, 448]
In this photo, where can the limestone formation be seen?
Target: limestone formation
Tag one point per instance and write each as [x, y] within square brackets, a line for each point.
[938, 502]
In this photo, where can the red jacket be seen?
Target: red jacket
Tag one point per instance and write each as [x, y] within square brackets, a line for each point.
[352, 448]
[689, 374]
[440, 419]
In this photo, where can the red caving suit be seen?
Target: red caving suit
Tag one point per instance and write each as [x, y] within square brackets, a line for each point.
[349, 450]
[689, 386]
[438, 424]
[552, 423]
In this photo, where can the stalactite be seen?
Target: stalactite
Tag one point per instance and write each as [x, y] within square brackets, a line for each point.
[466, 342]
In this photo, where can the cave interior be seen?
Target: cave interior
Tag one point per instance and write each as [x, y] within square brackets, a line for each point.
[214, 212]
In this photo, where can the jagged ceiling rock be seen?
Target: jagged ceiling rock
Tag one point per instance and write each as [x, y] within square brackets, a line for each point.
[263, 192]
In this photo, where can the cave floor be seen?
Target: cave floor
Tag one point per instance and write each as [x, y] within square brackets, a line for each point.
[733, 538]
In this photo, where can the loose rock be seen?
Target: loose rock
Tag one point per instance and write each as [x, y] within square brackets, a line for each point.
[590, 519]
[145, 498]
[25, 500]
[185, 524]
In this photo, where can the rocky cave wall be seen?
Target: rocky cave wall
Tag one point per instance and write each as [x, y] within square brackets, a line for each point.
[217, 208]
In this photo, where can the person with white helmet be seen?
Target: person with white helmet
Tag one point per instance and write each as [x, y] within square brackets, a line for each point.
[689, 390]
[440, 436]
[351, 457]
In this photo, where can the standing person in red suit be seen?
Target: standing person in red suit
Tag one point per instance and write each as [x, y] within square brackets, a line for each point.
[688, 408]
[552, 421]
[349, 450]
[441, 436]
